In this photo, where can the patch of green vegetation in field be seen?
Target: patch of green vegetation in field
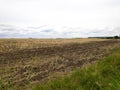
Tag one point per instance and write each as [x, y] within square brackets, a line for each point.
[102, 75]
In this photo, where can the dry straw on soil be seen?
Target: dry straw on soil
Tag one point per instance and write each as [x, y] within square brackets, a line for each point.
[28, 61]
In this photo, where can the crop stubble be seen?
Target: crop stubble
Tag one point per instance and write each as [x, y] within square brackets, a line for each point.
[32, 65]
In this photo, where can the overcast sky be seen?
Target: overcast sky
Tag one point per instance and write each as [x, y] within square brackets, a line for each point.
[59, 18]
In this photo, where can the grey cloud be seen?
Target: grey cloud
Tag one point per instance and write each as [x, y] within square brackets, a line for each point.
[48, 30]
[51, 32]
[4, 25]
[38, 27]
[3, 35]
[106, 32]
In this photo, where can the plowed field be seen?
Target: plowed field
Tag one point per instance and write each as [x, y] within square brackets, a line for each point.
[33, 64]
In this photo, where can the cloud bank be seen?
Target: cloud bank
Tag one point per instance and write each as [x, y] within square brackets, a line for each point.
[47, 31]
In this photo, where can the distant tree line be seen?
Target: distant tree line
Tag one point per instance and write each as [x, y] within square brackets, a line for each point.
[114, 37]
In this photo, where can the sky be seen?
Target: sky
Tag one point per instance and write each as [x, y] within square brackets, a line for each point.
[59, 18]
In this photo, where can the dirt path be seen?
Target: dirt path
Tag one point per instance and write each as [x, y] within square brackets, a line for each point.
[38, 64]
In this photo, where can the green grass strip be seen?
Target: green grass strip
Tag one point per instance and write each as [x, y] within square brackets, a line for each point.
[103, 75]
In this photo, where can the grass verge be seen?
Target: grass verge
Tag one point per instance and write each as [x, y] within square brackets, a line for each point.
[103, 75]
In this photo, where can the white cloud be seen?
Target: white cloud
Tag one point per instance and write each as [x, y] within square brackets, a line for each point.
[48, 31]
[78, 16]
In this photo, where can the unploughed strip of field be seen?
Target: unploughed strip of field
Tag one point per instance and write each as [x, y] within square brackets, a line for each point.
[32, 65]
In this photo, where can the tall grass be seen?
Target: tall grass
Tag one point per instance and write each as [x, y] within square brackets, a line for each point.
[103, 75]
